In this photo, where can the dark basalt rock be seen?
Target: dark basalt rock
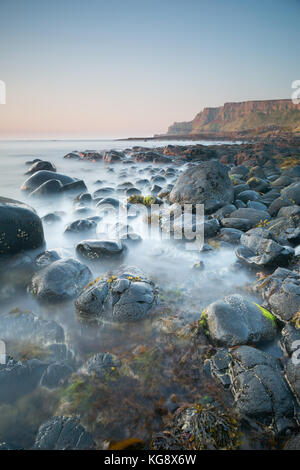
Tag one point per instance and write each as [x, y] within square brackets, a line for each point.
[95, 250]
[100, 365]
[49, 188]
[21, 228]
[230, 235]
[81, 225]
[205, 183]
[19, 378]
[40, 165]
[40, 177]
[236, 223]
[259, 388]
[63, 433]
[292, 193]
[259, 249]
[61, 280]
[75, 187]
[253, 215]
[235, 320]
[281, 291]
[125, 297]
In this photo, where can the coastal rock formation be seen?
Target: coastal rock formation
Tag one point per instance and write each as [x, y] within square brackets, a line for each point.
[241, 116]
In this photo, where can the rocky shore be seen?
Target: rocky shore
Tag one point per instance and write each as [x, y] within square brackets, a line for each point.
[126, 341]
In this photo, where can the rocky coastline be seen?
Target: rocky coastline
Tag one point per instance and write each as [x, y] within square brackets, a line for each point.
[169, 352]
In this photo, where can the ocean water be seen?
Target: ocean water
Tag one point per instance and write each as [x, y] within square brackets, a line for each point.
[185, 291]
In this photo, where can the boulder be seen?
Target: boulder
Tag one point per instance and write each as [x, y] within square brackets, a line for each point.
[125, 297]
[260, 390]
[19, 378]
[61, 280]
[205, 183]
[63, 433]
[81, 225]
[40, 165]
[253, 215]
[20, 227]
[281, 291]
[96, 250]
[235, 321]
[292, 193]
[49, 188]
[259, 249]
[40, 177]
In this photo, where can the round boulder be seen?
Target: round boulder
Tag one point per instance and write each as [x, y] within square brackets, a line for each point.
[206, 183]
[20, 227]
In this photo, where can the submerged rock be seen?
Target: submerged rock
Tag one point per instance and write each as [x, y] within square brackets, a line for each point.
[63, 433]
[20, 227]
[62, 280]
[235, 321]
[81, 225]
[122, 298]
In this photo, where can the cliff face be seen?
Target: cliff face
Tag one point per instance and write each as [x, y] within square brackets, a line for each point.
[242, 116]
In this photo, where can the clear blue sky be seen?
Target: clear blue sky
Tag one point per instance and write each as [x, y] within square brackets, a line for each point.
[93, 68]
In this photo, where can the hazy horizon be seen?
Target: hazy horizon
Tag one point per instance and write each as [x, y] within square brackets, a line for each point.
[98, 70]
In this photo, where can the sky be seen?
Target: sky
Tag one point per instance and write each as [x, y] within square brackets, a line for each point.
[117, 68]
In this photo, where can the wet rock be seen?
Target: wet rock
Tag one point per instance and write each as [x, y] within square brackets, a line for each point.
[100, 365]
[290, 338]
[75, 187]
[230, 235]
[253, 215]
[49, 188]
[62, 280]
[113, 156]
[281, 291]
[81, 225]
[56, 375]
[206, 183]
[259, 249]
[28, 327]
[122, 298]
[235, 320]
[259, 184]
[293, 443]
[40, 177]
[293, 373]
[256, 205]
[236, 223]
[20, 227]
[103, 192]
[277, 204]
[260, 389]
[46, 258]
[51, 218]
[292, 193]
[249, 195]
[19, 378]
[96, 250]
[63, 433]
[40, 165]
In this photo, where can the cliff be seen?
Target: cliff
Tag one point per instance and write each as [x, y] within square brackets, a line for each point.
[235, 117]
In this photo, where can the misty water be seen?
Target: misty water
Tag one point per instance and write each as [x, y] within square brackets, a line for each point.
[184, 293]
